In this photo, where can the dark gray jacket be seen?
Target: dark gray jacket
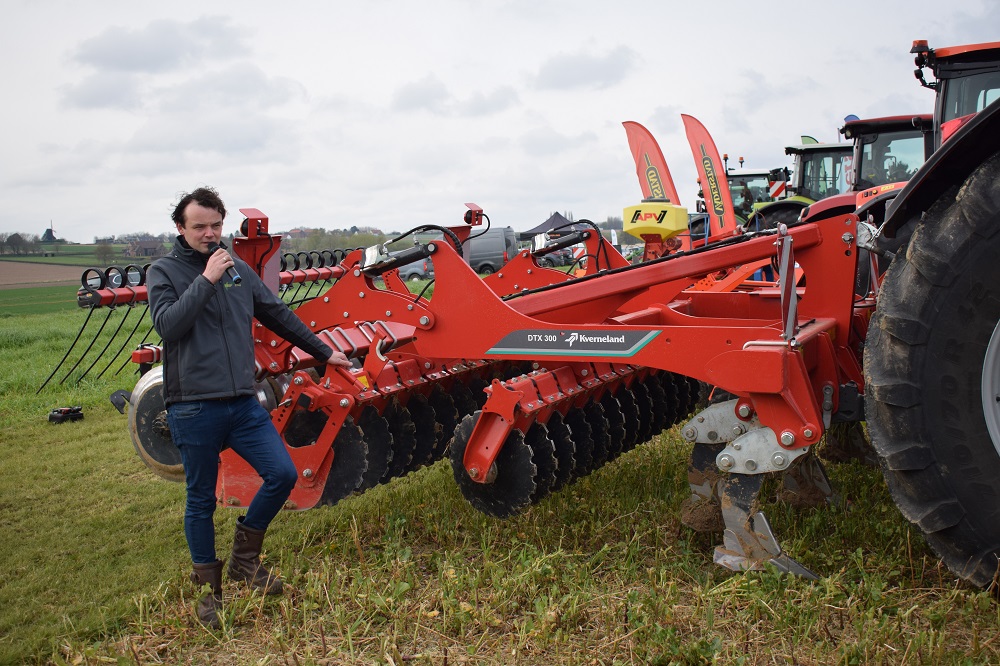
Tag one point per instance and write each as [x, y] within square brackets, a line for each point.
[208, 349]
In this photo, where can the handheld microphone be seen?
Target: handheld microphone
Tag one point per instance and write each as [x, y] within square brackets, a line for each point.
[231, 271]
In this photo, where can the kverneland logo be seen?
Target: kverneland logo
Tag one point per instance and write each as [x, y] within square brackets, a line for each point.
[578, 337]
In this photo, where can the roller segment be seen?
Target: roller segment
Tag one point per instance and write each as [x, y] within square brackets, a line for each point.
[446, 416]
[600, 428]
[683, 392]
[630, 416]
[583, 442]
[476, 386]
[661, 412]
[562, 437]
[644, 405]
[379, 447]
[426, 431]
[147, 424]
[696, 392]
[511, 481]
[617, 433]
[350, 461]
[404, 439]
[666, 381]
[543, 455]
[464, 398]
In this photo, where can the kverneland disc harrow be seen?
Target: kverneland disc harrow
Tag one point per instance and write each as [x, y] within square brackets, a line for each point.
[530, 378]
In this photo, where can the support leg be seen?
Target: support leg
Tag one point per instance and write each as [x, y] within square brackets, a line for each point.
[748, 542]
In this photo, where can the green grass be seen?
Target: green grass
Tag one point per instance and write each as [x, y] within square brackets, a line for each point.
[37, 300]
[95, 565]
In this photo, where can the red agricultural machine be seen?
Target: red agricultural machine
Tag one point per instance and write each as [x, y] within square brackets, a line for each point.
[530, 378]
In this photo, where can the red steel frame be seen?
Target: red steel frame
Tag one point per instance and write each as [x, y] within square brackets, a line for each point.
[731, 339]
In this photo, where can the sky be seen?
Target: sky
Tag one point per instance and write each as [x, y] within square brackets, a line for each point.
[394, 114]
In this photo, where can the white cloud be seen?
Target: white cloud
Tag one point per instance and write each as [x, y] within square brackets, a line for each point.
[104, 90]
[585, 70]
[161, 46]
[427, 94]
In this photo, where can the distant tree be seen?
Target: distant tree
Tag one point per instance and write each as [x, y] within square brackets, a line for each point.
[104, 253]
[16, 243]
[32, 244]
[3, 241]
[611, 223]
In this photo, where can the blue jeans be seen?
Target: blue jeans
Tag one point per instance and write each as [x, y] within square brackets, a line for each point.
[199, 429]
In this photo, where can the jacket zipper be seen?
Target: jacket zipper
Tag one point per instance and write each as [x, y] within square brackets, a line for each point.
[225, 337]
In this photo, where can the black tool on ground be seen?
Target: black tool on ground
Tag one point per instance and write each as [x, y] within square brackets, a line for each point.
[63, 414]
[231, 271]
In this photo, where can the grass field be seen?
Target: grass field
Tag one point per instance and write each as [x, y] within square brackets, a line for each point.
[95, 565]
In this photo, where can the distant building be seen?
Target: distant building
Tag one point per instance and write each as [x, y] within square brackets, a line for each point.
[144, 248]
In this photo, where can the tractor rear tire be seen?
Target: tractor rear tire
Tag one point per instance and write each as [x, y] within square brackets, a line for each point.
[933, 351]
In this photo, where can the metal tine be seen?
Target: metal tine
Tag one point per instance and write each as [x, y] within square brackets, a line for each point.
[128, 360]
[89, 346]
[79, 333]
[107, 346]
[135, 329]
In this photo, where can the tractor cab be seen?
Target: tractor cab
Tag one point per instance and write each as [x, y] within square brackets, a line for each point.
[888, 149]
[751, 187]
[968, 80]
[820, 170]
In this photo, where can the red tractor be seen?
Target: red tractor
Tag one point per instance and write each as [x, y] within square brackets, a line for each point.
[553, 376]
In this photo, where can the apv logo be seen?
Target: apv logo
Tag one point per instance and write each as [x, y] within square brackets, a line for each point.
[573, 337]
[648, 216]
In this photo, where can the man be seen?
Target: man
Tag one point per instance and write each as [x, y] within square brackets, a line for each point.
[205, 320]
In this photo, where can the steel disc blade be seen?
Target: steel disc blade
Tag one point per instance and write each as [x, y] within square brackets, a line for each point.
[447, 417]
[543, 454]
[696, 391]
[514, 481]
[304, 427]
[583, 442]
[561, 436]
[404, 439]
[379, 445]
[349, 464]
[600, 433]
[644, 405]
[476, 386]
[616, 425]
[464, 399]
[666, 381]
[630, 414]
[426, 431]
[659, 415]
[683, 390]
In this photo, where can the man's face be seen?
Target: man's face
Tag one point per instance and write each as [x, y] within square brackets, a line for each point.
[202, 226]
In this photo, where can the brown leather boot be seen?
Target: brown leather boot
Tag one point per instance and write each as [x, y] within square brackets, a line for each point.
[245, 564]
[209, 605]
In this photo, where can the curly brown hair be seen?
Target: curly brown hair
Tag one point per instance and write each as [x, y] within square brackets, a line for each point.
[203, 196]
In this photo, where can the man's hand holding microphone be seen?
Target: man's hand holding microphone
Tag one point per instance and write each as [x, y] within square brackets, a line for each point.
[220, 262]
